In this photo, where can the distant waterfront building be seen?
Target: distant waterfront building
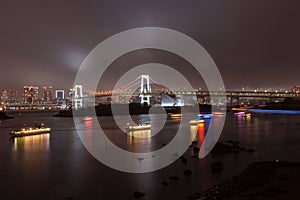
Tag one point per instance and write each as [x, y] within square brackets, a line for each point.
[48, 94]
[4, 96]
[8, 96]
[59, 94]
[13, 97]
[295, 89]
[31, 94]
[171, 100]
[71, 92]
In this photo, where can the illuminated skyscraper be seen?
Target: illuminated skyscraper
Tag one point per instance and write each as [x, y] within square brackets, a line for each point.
[4, 96]
[48, 94]
[13, 96]
[31, 94]
[9, 96]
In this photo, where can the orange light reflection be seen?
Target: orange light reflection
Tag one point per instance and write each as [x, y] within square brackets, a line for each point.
[201, 133]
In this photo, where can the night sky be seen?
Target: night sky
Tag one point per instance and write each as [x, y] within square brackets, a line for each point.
[254, 43]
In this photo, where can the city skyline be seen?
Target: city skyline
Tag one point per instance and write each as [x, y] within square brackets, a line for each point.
[30, 94]
[41, 89]
[254, 45]
[47, 94]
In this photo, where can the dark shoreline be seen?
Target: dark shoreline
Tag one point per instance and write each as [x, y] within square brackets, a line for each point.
[287, 104]
[264, 179]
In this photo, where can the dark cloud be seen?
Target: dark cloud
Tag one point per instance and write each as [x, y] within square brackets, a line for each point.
[254, 43]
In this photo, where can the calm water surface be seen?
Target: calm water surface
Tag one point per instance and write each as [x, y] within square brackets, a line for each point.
[57, 165]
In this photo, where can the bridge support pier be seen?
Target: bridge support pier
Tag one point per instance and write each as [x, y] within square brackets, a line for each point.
[145, 99]
[77, 101]
[200, 99]
[145, 88]
[231, 101]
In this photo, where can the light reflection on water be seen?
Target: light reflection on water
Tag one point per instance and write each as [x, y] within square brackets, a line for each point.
[60, 158]
[193, 131]
[201, 133]
[31, 143]
[88, 123]
[138, 136]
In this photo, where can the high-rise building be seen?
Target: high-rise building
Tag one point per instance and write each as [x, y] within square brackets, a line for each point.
[13, 96]
[48, 94]
[9, 96]
[4, 96]
[31, 94]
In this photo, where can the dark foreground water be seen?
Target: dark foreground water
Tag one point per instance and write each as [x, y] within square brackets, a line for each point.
[57, 165]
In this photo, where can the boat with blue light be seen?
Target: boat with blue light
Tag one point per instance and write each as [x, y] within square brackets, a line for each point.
[205, 116]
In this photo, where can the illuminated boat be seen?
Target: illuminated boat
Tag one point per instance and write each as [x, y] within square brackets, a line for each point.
[196, 121]
[175, 116]
[218, 113]
[30, 131]
[239, 113]
[87, 118]
[243, 114]
[239, 109]
[205, 116]
[139, 127]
